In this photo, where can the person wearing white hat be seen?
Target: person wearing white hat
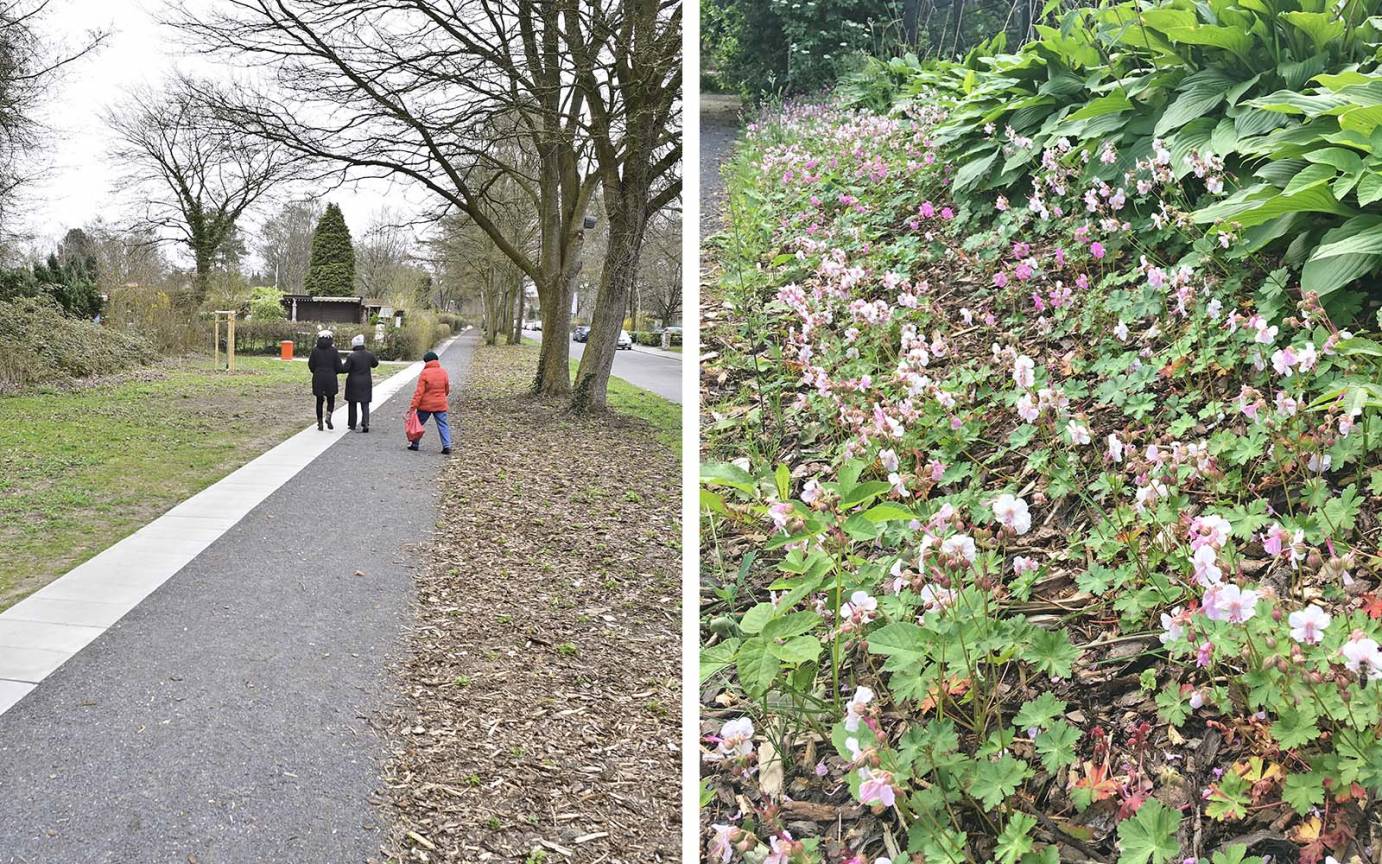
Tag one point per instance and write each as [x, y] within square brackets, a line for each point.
[325, 364]
[359, 381]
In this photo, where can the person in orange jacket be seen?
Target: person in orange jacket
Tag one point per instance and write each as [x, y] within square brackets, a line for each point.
[430, 399]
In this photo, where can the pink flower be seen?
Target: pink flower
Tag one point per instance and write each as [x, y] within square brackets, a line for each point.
[947, 213]
[780, 513]
[1361, 654]
[959, 546]
[1011, 512]
[735, 740]
[1203, 654]
[857, 707]
[1079, 433]
[1097, 250]
[1000, 279]
[1209, 530]
[875, 787]
[1115, 448]
[1024, 374]
[860, 608]
[927, 210]
[1230, 603]
[1308, 624]
[721, 846]
[1023, 565]
[1207, 571]
[1001, 204]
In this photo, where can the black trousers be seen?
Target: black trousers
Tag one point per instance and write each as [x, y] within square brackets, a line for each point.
[330, 401]
[364, 414]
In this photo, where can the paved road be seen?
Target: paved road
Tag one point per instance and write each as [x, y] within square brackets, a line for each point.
[661, 375]
[227, 718]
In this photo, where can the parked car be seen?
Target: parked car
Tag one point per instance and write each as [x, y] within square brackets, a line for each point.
[625, 342]
[580, 334]
[537, 325]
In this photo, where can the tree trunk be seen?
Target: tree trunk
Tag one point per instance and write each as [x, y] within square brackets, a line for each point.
[515, 334]
[616, 281]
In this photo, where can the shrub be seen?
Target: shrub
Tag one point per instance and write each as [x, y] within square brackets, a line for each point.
[154, 314]
[266, 304]
[40, 345]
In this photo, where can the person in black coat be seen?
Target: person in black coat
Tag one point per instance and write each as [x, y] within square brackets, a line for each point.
[325, 364]
[359, 382]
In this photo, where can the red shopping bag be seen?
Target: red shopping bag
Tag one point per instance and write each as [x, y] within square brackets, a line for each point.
[412, 427]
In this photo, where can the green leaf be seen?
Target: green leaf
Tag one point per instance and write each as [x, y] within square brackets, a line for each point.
[1149, 835]
[862, 493]
[1052, 653]
[793, 652]
[1303, 791]
[1360, 236]
[757, 666]
[1369, 188]
[903, 642]
[1056, 746]
[717, 657]
[1295, 726]
[1229, 798]
[972, 171]
[1199, 94]
[726, 474]
[888, 512]
[757, 618]
[992, 782]
[1321, 27]
[1039, 711]
[1258, 204]
[1311, 175]
[789, 625]
[1341, 158]
[1016, 838]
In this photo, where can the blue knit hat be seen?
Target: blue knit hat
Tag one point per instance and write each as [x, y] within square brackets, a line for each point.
[430, 355]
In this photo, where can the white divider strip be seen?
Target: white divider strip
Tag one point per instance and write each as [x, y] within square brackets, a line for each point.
[43, 631]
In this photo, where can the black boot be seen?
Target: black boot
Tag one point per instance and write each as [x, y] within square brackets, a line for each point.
[364, 428]
[319, 425]
[328, 423]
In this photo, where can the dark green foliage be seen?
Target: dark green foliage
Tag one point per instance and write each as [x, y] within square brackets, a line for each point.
[331, 272]
[767, 47]
[70, 283]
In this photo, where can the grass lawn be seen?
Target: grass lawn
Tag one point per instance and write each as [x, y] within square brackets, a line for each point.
[79, 470]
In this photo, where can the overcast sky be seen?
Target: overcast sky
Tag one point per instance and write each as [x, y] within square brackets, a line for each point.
[77, 185]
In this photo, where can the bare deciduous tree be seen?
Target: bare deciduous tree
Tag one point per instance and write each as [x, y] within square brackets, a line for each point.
[285, 243]
[628, 62]
[383, 250]
[195, 173]
[411, 88]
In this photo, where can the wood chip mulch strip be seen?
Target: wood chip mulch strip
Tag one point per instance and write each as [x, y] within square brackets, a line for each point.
[542, 717]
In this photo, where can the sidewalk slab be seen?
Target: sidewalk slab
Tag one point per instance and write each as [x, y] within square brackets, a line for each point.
[41, 632]
[11, 692]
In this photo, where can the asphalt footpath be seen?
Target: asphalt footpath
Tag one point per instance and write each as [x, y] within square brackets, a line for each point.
[228, 717]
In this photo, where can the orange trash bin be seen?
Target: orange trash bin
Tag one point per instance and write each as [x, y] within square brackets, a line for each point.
[285, 349]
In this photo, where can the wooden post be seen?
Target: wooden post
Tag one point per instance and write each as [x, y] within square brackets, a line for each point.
[230, 339]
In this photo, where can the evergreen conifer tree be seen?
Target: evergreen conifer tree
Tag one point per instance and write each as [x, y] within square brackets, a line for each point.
[331, 272]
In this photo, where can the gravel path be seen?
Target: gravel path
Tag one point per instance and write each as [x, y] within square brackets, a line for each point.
[720, 123]
[229, 717]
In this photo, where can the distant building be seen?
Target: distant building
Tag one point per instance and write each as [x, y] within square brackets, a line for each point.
[338, 310]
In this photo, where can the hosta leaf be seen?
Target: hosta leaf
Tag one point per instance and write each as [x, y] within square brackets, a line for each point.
[972, 171]
[1149, 835]
[1363, 119]
[1198, 95]
[1321, 27]
[1258, 204]
[1369, 188]
[1341, 158]
[1113, 103]
[1310, 175]
[1361, 236]
[1232, 39]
